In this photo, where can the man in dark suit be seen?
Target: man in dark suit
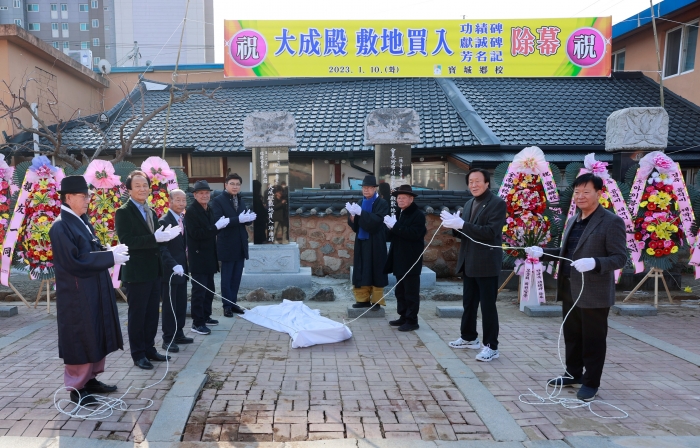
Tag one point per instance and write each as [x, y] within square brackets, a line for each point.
[86, 310]
[484, 218]
[202, 228]
[137, 227]
[232, 240]
[366, 219]
[406, 235]
[595, 239]
[174, 289]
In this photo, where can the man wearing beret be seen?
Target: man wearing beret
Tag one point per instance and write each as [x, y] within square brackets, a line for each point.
[86, 309]
[405, 259]
[137, 227]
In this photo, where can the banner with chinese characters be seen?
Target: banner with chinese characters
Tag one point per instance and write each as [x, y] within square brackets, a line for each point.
[418, 48]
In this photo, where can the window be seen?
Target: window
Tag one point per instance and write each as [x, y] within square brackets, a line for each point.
[96, 42]
[34, 27]
[681, 46]
[94, 4]
[106, 27]
[84, 45]
[83, 27]
[32, 7]
[18, 22]
[83, 7]
[17, 4]
[54, 10]
[206, 167]
[66, 45]
[106, 8]
[429, 175]
[95, 61]
[55, 45]
[64, 30]
[618, 62]
[64, 10]
[3, 8]
[95, 23]
[108, 47]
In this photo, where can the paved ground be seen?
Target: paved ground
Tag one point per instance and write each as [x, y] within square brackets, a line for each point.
[381, 384]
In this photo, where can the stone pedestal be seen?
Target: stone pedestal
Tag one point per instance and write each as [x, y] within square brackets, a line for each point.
[427, 278]
[8, 311]
[274, 266]
[377, 311]
[634, 310]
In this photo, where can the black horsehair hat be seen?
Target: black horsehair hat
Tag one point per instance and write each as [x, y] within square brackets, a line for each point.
[201, 185]
[73, 185]
[404, 189]
[369, 181]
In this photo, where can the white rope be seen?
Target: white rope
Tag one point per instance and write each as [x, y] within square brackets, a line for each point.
[107, 405]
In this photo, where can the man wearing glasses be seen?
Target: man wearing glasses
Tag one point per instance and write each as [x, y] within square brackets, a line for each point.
[86, 312]
[232, 240]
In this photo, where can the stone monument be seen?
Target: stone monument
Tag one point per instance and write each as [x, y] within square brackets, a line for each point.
[273, 261]
[631, 133]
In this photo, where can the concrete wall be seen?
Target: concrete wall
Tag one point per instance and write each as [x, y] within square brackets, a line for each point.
[640, 54]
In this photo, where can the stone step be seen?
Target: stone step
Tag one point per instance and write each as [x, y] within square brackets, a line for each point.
[374, 312]
[634, 310]
[449, 311]
[543, 311]
[427, 278]
[8, 311]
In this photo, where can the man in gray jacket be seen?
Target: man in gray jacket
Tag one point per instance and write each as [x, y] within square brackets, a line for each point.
[480, 265]
[595, 239]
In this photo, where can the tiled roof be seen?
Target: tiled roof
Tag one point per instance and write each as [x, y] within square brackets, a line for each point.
[571, 111]
[329, 115]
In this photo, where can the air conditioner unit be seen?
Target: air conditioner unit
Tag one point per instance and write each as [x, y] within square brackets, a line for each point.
[83, 57]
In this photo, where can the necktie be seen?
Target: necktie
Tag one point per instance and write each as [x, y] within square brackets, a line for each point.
[235, 202]
[181, 222]
[148, 219]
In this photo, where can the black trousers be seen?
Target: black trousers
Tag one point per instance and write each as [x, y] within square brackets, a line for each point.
[144, 300]
[201, 298]
[231, 274]
[173, 323]
[407, 294]
[480, 290]
[585, 335]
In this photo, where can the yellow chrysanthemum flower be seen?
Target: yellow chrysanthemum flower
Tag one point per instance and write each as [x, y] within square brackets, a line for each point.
[650, 251]
[644, 204]
[674, 249]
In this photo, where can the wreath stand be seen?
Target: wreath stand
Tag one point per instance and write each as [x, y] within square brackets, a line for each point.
[19, 294]
[503, 286]
[654, 273]
[48, 294]
[121, 293]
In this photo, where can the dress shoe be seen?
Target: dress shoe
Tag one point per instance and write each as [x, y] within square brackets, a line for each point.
[361, 305]
[98, 387]
[170, 347]
[82, 397]
[157, 357]
[408, 327]
[212, 322]
[228, 313]
[398, 322]
[144, 364]
[237, 309]
[183, 340]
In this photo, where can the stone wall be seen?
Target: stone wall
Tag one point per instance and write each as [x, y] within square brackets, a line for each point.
[327, 245]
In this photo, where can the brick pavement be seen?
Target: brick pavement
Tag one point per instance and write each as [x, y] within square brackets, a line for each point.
[380, 384]
[659, 391]
[31, 372]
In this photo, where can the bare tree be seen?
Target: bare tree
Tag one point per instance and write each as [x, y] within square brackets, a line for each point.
[51, 136]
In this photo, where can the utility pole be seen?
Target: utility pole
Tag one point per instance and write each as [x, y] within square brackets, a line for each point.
[658, 55]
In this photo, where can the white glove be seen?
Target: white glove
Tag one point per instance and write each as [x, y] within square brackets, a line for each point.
[252, 216]
[390, 221]
[584, 264]
[358, 209]
[455, 223]
[247, 216]
[163, 235]
[119, 248]
[350, 208]
[534, 251]
[222, 222]
[120, 257]
[179, 270]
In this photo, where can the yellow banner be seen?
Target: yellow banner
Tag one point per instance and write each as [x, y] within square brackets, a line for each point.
[418, 48]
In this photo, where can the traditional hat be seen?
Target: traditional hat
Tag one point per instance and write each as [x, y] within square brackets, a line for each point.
[369, 181]
[201, 185]
[73, 185]
[404, 189]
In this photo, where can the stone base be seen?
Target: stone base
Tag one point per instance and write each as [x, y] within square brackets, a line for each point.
[277, 280]
[427, 278]
[543, 311]
[374, 312]
[272, 259]
[8, 311]
[634, 310]
[449, 311]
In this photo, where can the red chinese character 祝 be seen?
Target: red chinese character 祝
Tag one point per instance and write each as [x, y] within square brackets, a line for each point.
[548, 43]
[522, 41]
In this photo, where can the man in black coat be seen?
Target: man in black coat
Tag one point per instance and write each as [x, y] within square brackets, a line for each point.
[405, 257]
[86, 309]
[137, 227]
[202, 228]
[232, 240]
[366, 220]
[174, 287]
[484, 217]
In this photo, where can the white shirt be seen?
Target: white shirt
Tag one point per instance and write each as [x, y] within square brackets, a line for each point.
[69, 210]
[177, 217]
